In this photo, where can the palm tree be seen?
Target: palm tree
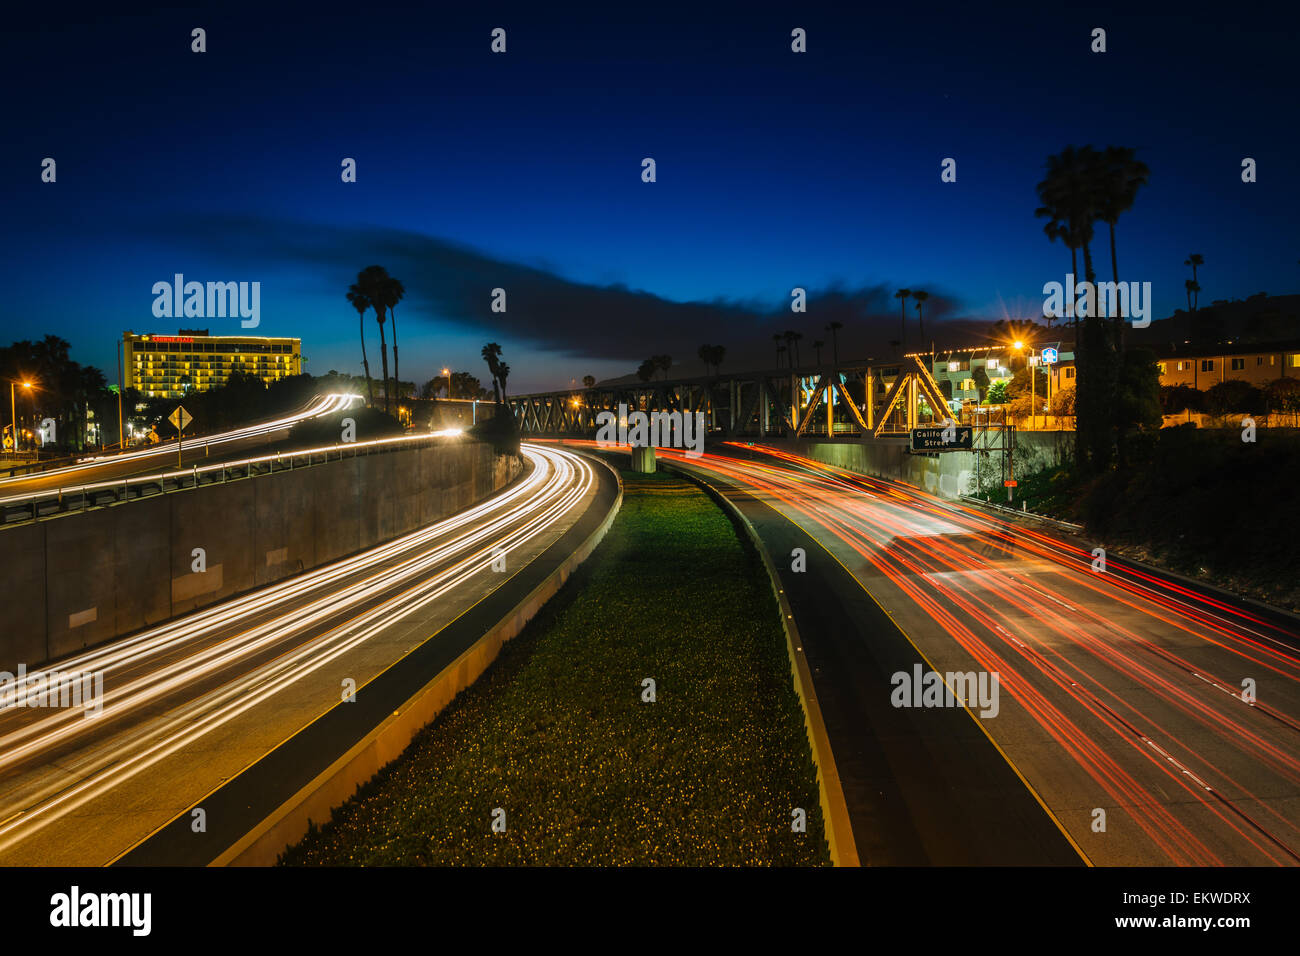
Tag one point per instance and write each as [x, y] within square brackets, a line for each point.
[902, 295]
[1069, 197]
[663, 363]
[491, 354]
[792, 340]
[817, 347]
[646, 370]
[711, 356]
[1191, 286]
[920, 298]
[89, 382]
[588, 381]
[776, 337]
[1067, 200]
[834, 328]
[705, 353]
[503, 373]
[361, 304]
[372, 282]
[394, 292]
[1194, 260]
[1123, 175]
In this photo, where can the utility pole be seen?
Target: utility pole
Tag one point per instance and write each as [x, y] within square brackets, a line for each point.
[121, 439]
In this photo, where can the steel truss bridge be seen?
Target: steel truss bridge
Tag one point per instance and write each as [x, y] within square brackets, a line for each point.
[849, 399]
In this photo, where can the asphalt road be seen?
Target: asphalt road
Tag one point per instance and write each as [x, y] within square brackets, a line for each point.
[199, 450]
[189, 705]
[1121, 729]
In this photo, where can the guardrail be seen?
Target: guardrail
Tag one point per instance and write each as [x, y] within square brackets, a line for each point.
[1023, 512]
[86, 496]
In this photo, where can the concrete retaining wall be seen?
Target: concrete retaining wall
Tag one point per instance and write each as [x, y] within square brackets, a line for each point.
[948, 474]
[83, 578]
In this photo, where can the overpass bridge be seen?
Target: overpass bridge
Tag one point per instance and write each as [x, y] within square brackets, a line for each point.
[848, 399]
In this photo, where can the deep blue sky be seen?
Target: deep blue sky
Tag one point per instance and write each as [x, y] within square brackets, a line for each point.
[523, 170]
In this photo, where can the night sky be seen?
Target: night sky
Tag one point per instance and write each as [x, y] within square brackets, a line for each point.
[523, 170]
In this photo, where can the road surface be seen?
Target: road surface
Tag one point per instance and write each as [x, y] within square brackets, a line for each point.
[190, 704]
[137, 461]
[1142, 721]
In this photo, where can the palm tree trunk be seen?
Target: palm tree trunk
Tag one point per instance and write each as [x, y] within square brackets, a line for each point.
[1074, 271]
[365, 362]
[1114, 268]
[383, 351]
[397, 373]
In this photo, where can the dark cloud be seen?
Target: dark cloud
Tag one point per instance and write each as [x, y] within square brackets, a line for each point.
[451, 283]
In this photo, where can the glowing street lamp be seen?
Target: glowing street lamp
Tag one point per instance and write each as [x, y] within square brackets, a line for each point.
[13, 408]
[1018, 345]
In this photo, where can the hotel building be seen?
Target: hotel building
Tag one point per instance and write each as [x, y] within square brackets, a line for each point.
[169, 366]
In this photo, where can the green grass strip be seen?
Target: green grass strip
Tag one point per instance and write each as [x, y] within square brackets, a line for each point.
[556, 732]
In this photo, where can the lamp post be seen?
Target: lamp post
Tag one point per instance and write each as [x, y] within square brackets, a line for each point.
[1033, 401]
[446, 373]
[13, 409]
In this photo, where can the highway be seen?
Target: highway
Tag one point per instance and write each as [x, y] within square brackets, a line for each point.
[190, 704]
[1123, 736]
[200, 449]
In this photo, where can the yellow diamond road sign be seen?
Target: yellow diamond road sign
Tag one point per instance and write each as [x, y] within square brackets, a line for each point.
[180, 418]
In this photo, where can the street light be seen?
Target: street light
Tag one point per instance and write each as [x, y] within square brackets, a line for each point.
[1033, 401]
[446, 373]
[13, 408]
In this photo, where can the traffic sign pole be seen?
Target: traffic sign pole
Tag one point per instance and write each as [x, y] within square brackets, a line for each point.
[180, 418]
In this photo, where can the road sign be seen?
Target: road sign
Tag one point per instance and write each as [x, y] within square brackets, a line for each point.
[180, 418]
[1010, 483]
[1049, 356]
[952, 438]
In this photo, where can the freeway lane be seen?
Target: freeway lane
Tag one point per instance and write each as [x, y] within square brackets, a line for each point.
[1120, 692]
[190, 704]
[199, 450]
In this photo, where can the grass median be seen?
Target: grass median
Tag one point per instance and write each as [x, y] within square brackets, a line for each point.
[557, 735]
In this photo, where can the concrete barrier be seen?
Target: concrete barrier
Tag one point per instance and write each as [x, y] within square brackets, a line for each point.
[949, 474]
[82, 578]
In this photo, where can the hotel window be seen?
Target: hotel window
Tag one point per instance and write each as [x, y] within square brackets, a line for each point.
[1207, 365]
[1238, 364]
[1069, 372]
[1295, 360]
[1181, 367]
